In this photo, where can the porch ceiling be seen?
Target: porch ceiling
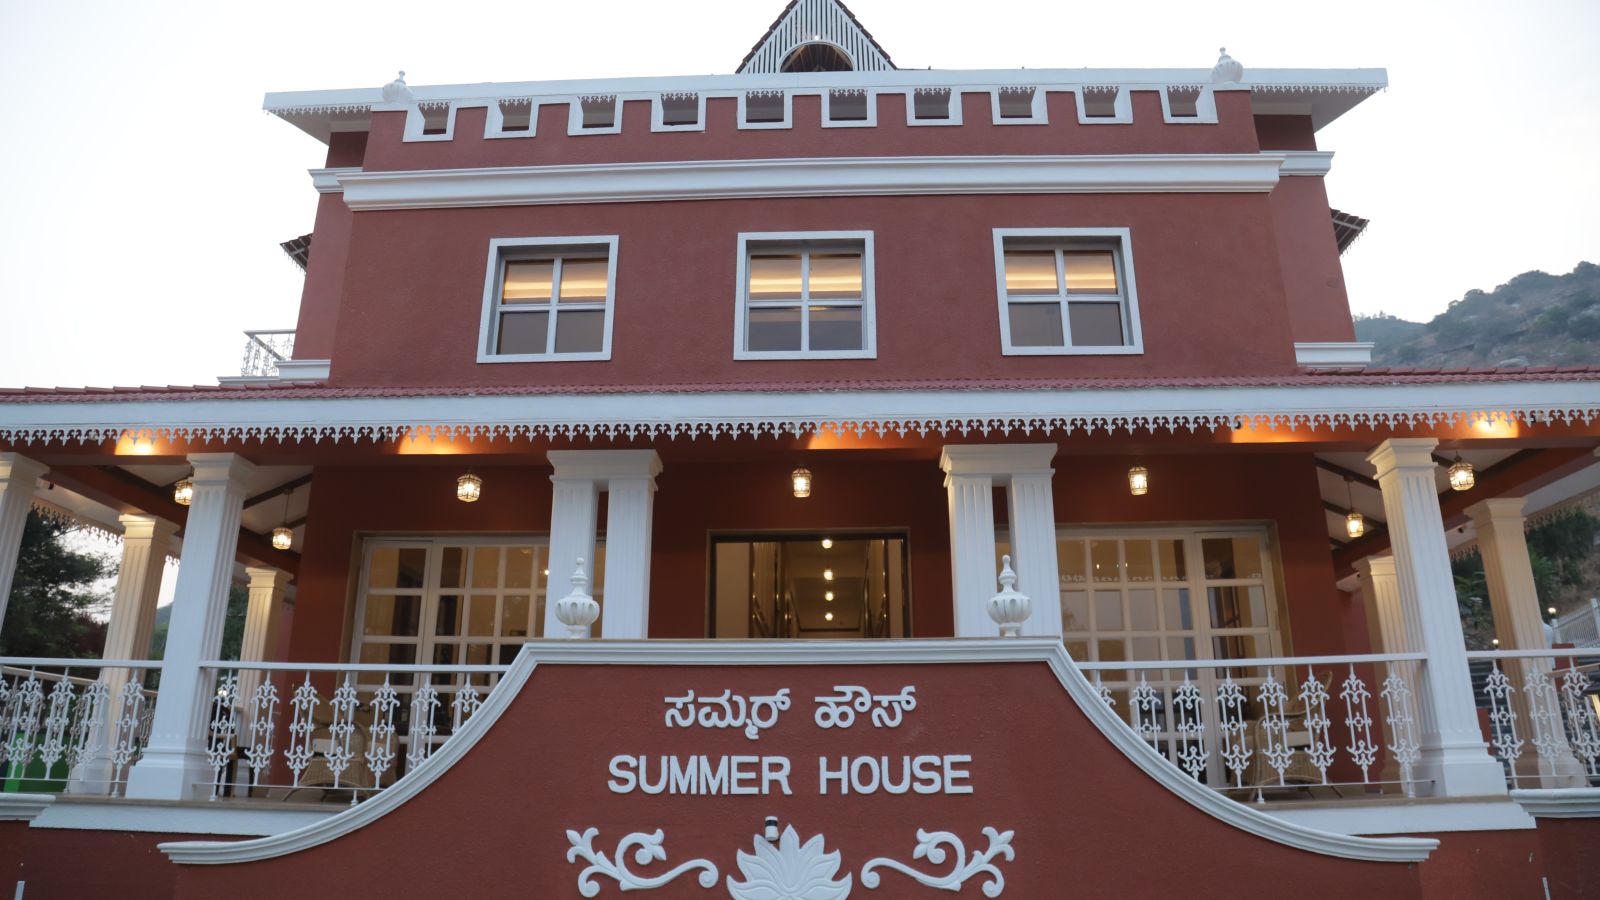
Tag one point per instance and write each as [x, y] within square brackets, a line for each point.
[274, 495]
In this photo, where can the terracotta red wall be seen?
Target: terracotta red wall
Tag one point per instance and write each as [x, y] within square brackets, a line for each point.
[1571, 850]
[66, 864]
[319, 300]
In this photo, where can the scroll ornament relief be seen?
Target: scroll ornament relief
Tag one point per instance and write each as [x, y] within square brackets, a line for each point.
[781, 867]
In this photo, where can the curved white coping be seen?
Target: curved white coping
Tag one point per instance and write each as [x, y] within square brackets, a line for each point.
[731, 412]
[719, 179]
[1560, 803]
[1405, 816]
[245, 819]
[23, 807]
[766, 653]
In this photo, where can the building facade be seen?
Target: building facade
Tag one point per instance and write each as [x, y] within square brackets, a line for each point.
[821, 364]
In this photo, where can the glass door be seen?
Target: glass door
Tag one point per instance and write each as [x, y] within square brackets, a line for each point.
[847, 585]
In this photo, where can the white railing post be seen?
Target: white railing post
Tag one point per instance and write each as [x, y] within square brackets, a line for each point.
[19, 476]
[175, 761]
[1454, 756]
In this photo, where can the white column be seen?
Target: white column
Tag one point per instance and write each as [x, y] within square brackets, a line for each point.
[1386, 630]
[574, 503]
[972, 472]
[146, 541]
[1454, 754]
[1514, 599]
[261, 620]
[630, 504]
[19, 476]
[174, 761]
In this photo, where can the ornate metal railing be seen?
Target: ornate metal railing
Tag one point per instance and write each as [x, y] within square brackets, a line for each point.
[1283, 727]
[73, 724]
[332, 731]
[264, 349]
[1544, 715]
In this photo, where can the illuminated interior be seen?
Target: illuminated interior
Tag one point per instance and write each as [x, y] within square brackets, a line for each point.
[778, 587]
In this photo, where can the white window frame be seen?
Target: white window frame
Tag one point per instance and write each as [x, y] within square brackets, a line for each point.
[1123, 239]
[501, 249]
[869, 329]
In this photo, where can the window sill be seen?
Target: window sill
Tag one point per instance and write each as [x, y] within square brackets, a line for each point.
[1072, 351]
[740, 355]
[601, 356]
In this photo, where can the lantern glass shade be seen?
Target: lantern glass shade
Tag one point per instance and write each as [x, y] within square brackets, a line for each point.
[469, 488]
[1138, 481]
[282, 538]
[183, 492]
[802, 481]
[1355, 524]
[1462, 478]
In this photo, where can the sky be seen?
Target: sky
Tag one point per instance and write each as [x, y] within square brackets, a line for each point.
[143, 192]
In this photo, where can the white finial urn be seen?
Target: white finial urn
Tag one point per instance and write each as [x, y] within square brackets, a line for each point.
[1009, 609]
[396, 90]
[578, 610]
[1227, 70]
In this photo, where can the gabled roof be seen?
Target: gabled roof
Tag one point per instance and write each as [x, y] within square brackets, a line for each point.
[815, 21]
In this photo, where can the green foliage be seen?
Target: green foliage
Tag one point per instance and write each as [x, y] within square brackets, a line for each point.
[53, 595]
[1563, 557]
[232, 626]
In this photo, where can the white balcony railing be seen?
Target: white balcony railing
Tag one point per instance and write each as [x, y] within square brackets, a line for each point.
[347, 729]
[1544, 715]
[73, 722]
[1324, 726]
[264, 349]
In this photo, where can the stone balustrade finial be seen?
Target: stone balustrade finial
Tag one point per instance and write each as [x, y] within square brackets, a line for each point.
[1009, 609]
[578, 610]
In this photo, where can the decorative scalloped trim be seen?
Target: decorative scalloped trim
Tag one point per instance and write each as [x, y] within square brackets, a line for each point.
[693, 428]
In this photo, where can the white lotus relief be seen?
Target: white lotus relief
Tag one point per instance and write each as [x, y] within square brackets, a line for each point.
[789, 870]
[931, 846]
[646, 849]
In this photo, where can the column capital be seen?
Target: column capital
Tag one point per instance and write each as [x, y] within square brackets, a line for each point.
[997, 459]
[19, 468]
[141, 527]
[1495, 510]
[220, 468]
[266, 577]
[603, 465]
[1403, 453]
[1375, 567]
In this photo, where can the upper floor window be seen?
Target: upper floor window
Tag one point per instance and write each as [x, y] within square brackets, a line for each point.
[1066, 291]
[549, 299]
[805, 296]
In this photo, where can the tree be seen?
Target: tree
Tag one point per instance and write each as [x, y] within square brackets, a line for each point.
[54, 595]
[1564, 560]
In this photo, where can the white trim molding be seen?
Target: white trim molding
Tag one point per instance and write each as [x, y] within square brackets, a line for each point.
[1048, 651]
[304, 369]
[1405, 816]
[23, 807]
[1333, 354]
[717, 179]
[326, 181]
[1560, 803]
[1127, 298]
[246, 819]
[1082, 409]
[1317, 163]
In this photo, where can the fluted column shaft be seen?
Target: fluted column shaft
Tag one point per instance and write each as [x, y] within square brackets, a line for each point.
[19, 476]
[628, 478]
[972, 472]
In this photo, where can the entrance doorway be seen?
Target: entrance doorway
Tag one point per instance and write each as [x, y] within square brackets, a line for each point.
[813, 585]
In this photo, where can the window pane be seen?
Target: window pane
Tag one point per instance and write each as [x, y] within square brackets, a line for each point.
[390, 616]
[449, 621]
[1237, 607]
[1090, 272]
[514, 616]
[1103, 558]
[1175, 609]
[528, 281]
[1137, 555]
[453, 569]
[1070, 557]
[583, 280]
[775, 277]
[1142, 611]
[1111, 651]
[1031, 272]
[523, 332]
[1036, 325]
[1096, 324]
[774, 329]
[1239, 647]
[486, 567]
[1107, 610]
[835, 328]
[1237, 557]
[519, 567]
[580, 331]
[394, 654]
[397, 567]
[1172, 562]
[1075, 610]
[835, 275]
[444, 654]
[480, 616]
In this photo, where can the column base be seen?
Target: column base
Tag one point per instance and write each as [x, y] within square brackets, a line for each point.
[169, 775]
[1564, 771]
[1461, 770]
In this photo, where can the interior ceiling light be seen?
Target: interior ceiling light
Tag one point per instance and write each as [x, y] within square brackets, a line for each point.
[801, 479]
[283, 535]
[827, 543]
[469, 488]
[1462, 478]
[827, 574]
[183, 492]
[1355, 525]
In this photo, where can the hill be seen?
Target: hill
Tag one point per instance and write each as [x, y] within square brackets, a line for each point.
[1535, 318]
